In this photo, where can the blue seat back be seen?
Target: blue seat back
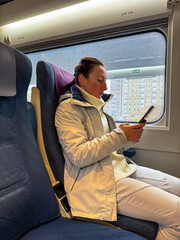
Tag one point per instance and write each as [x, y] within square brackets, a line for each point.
[26, 197]
[47, 84]
[32, 116]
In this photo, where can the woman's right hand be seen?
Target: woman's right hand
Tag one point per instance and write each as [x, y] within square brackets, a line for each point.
[133, 132]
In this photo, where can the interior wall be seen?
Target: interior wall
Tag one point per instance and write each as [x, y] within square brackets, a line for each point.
[87, 17]
[21, 9]
[164, 161]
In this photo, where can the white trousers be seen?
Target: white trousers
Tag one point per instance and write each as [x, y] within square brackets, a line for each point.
[151, 195]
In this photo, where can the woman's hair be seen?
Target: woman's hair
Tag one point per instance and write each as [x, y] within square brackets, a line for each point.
[84, 67]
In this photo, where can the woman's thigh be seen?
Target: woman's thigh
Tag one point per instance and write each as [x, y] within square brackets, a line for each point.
[157, 179]
[141, 200]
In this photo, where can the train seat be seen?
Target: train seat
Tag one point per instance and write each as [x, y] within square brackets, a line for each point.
[50, 83]
[32, 116]
[28, 207]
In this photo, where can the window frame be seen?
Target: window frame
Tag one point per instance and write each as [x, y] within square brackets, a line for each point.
[153, 26]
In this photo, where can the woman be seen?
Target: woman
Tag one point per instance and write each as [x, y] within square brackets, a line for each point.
[98, 180]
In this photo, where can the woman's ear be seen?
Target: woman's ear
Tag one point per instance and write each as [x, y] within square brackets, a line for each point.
[81, 80]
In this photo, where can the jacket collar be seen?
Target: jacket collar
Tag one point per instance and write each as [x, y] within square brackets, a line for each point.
[77, 95]
[98, 103]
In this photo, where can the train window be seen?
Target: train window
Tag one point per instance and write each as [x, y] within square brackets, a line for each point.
[135, 65]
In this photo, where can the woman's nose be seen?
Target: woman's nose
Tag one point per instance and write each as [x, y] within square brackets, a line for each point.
[104, 86]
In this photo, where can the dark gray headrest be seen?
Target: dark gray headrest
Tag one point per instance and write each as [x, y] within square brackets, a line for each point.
[7, 71]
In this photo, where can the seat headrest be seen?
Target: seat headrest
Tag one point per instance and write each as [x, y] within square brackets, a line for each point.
[8, 71]
[62, 79]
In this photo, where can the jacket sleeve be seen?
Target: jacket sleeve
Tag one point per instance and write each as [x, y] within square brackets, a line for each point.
[74, 139]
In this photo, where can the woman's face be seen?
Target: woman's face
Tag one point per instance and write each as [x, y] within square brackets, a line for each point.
[95, 84]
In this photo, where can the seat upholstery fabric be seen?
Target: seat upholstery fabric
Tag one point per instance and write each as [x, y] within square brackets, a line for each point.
[32, 116]
[78, 230]
[8, 78]
[49, 83]
[26, 196]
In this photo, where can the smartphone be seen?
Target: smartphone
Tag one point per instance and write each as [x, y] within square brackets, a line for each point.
[146, 114]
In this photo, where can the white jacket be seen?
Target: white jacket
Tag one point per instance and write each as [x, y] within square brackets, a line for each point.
[88, 174]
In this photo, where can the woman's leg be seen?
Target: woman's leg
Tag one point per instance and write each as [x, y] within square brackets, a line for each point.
[141, 200]
[158, 179]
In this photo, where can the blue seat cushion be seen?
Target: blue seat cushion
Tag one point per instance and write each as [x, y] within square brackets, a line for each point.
[65, 229]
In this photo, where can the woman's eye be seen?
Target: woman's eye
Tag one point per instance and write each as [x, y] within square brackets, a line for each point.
[99, 80]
